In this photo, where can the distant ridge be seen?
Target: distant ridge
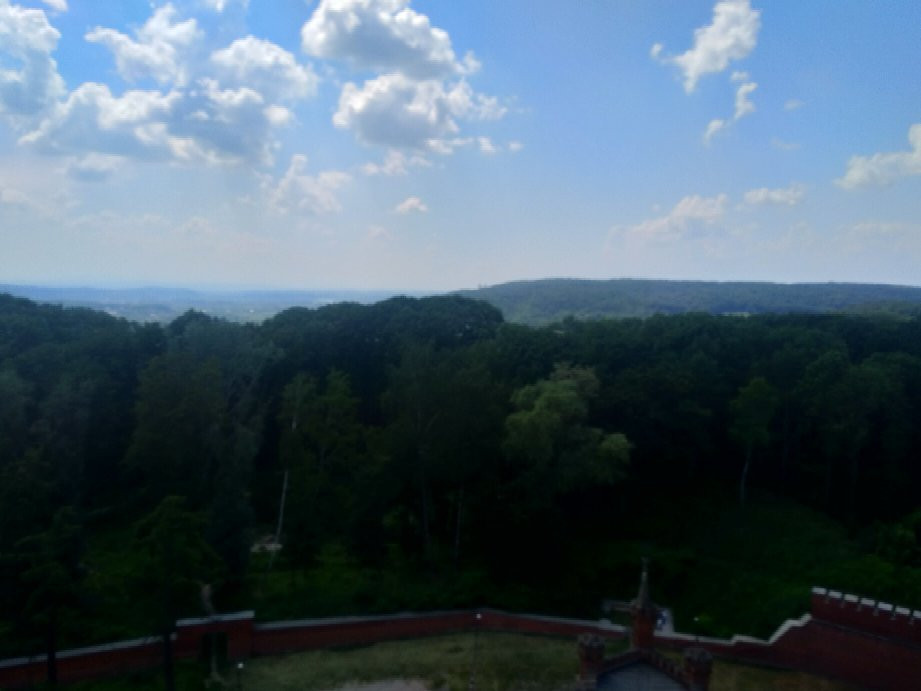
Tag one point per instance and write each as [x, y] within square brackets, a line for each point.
[549, 300]
[163, 304]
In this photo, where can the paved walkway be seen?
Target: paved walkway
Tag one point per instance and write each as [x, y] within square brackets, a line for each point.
[389, 685]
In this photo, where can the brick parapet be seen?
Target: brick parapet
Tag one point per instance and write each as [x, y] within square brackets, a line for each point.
[842, 637]
[866, 614]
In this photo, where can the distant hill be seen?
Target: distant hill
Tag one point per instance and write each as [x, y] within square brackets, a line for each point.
[550, 300]
[159, 304]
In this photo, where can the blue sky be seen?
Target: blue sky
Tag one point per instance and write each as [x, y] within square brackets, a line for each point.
[397, 145]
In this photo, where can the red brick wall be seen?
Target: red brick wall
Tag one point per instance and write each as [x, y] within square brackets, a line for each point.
[872, 646]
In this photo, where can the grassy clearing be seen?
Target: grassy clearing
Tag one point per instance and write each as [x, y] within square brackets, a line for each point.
[501, 662]
[504, 662]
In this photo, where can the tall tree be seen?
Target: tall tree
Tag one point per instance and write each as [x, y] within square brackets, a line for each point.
[174, 559]
[549, 439]
[53, 576]
[321, 443]
[752, 411]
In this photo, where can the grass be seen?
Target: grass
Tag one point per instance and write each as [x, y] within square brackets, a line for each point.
[502, 662]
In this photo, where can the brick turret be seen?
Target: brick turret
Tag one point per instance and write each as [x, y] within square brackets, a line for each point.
[644, 614]
[591, 656]
[698, 663]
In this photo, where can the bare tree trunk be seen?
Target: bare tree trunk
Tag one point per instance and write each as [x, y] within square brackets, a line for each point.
[748, 461]
[423, 486]
[169, 680]
[51, 660]
[457, 525]
[281, 519]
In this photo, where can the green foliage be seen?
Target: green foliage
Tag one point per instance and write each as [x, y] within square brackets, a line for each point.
[551, 300]
[175, 559]
[549, 440]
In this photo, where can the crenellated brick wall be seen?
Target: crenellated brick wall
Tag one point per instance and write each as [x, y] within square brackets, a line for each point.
[872, 644]
[865, 614]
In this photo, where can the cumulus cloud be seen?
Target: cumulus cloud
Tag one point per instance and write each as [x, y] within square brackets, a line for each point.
[29, 79]
[713, 127]
[265, 67]
[782, 196]
[411, 204]
[57, 5]
[298, 192]
[743, 106]
[396, 111]
[687, 212]
[732, 35]
[382, 35]
[784, 145]
[15, 198]
[206, 123]
[793, 104]
[395, 163]
[92, 119]
[156, 52]
[94, 167]
[222, 108]
[884, 168]
[220, 5]
[419, 93]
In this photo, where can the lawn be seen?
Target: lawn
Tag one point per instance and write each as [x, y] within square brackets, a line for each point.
[496, 662]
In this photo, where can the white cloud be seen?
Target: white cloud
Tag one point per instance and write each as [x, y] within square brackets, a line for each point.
[732, 35]
[265, 67]
[92, 119]
[411, 204]
[94, 167]
[29, 79]
[15, 198]
[743, 106]
[57, 5]
[206, 124]
[690, 210]
[884, 168]
[220, 5]
[782, 196]
[793, 104]
[383, 35]
[783, 145]
[713, 127]
[377, 233]
[297, 192]
[486, 146]
[402, 113]
[158, 52]
[395, 163]
[515, 146]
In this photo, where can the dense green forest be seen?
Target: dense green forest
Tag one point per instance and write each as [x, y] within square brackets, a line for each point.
[422, 453]
[548, 300]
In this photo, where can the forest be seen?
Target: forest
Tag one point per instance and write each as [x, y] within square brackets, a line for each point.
[424, 453]
[548, 300]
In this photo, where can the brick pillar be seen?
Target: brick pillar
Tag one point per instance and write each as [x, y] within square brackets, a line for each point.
[591, 656]
[642, 635]
[698, 663]
[644, 614]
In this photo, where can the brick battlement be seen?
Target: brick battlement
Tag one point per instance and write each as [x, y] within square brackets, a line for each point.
[874, 644]
[865, 614]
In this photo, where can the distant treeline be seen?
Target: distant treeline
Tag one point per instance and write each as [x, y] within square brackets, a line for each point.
[430, 436]
[549, 300]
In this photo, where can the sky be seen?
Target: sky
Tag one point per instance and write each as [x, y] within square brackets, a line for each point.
[421, 145]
